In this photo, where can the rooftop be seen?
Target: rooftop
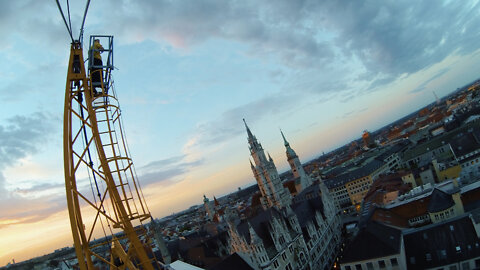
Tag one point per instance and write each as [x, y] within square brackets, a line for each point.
[358, 172]
[440, 201]
[232, 262]
[441, 244]
[375, 240]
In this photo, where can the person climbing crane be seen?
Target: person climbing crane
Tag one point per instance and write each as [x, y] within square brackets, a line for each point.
[96, 70]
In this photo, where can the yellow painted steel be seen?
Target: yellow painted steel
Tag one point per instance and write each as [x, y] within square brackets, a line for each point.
[116, 177]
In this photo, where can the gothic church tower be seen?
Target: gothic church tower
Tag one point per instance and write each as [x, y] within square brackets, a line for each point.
[302, 179]
[266, 174]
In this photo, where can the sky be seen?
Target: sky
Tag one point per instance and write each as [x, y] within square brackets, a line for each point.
[188, 72]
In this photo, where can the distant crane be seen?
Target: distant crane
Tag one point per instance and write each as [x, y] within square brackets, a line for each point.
[103, 195]
[437, 101]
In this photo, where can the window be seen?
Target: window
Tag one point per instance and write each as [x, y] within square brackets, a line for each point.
[348, 267]
[288, 267]
[282, 240]
[465, 266]
[370, 266]
[453, 267]
[284, 256]
[275, 264]
[442, 254]
[458, 249]
[381, 263]
[394, 261]
[428, 257]
[302, 258]
[358, 267]
[477, 263]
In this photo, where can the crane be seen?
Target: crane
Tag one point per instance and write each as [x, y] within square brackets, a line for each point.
[103, 195]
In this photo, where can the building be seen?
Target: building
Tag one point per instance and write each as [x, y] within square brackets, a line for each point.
[452, 244]
[301, 179]
[408, 178]
[285, 233]
[462, 140]
[349, 188]
[303, 236]
[376, 246]
[423, 205]
[208, 208]
[266, 174]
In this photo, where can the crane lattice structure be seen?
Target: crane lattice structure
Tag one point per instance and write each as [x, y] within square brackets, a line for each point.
[103, 195]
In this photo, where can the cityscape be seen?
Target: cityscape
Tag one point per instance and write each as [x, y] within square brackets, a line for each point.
[327, 152]
[403, 197]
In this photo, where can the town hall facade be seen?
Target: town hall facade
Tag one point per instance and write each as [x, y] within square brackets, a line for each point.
[287, 233]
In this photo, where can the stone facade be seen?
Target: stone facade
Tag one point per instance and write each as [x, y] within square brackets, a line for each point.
[286, 234]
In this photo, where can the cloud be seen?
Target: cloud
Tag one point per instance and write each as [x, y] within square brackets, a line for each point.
[167, 170]
[380, 40]
[424, 84]
[185, 24]
[388, 39]
[29, 21]
[401, 37]
[38, 188]
[352, 112]
[20, 137]
[19, 210]
[229, 123]
[25, 206]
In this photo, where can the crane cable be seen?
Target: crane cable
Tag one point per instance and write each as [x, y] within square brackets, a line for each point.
[69, 19]
[69, 23]
[69, 29]
[80, 37]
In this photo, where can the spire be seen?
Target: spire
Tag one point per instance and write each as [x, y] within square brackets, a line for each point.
[289, 211]
[290, 153]
[253, 235]
[215, 201]
[251, 164]
[270, 158]
[284, 140]
[250, 135]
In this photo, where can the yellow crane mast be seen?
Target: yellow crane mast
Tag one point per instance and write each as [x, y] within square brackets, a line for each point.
[103, 195]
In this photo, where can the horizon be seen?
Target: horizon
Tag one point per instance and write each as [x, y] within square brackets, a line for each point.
[187, 73]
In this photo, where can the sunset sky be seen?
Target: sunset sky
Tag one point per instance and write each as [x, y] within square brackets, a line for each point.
[187, 72]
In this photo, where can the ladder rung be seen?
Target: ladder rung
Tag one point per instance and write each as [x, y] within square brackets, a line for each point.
[133, 216]
[110, 144]
[116, 171]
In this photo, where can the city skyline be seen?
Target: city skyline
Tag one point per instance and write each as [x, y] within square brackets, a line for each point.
[188, 73]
